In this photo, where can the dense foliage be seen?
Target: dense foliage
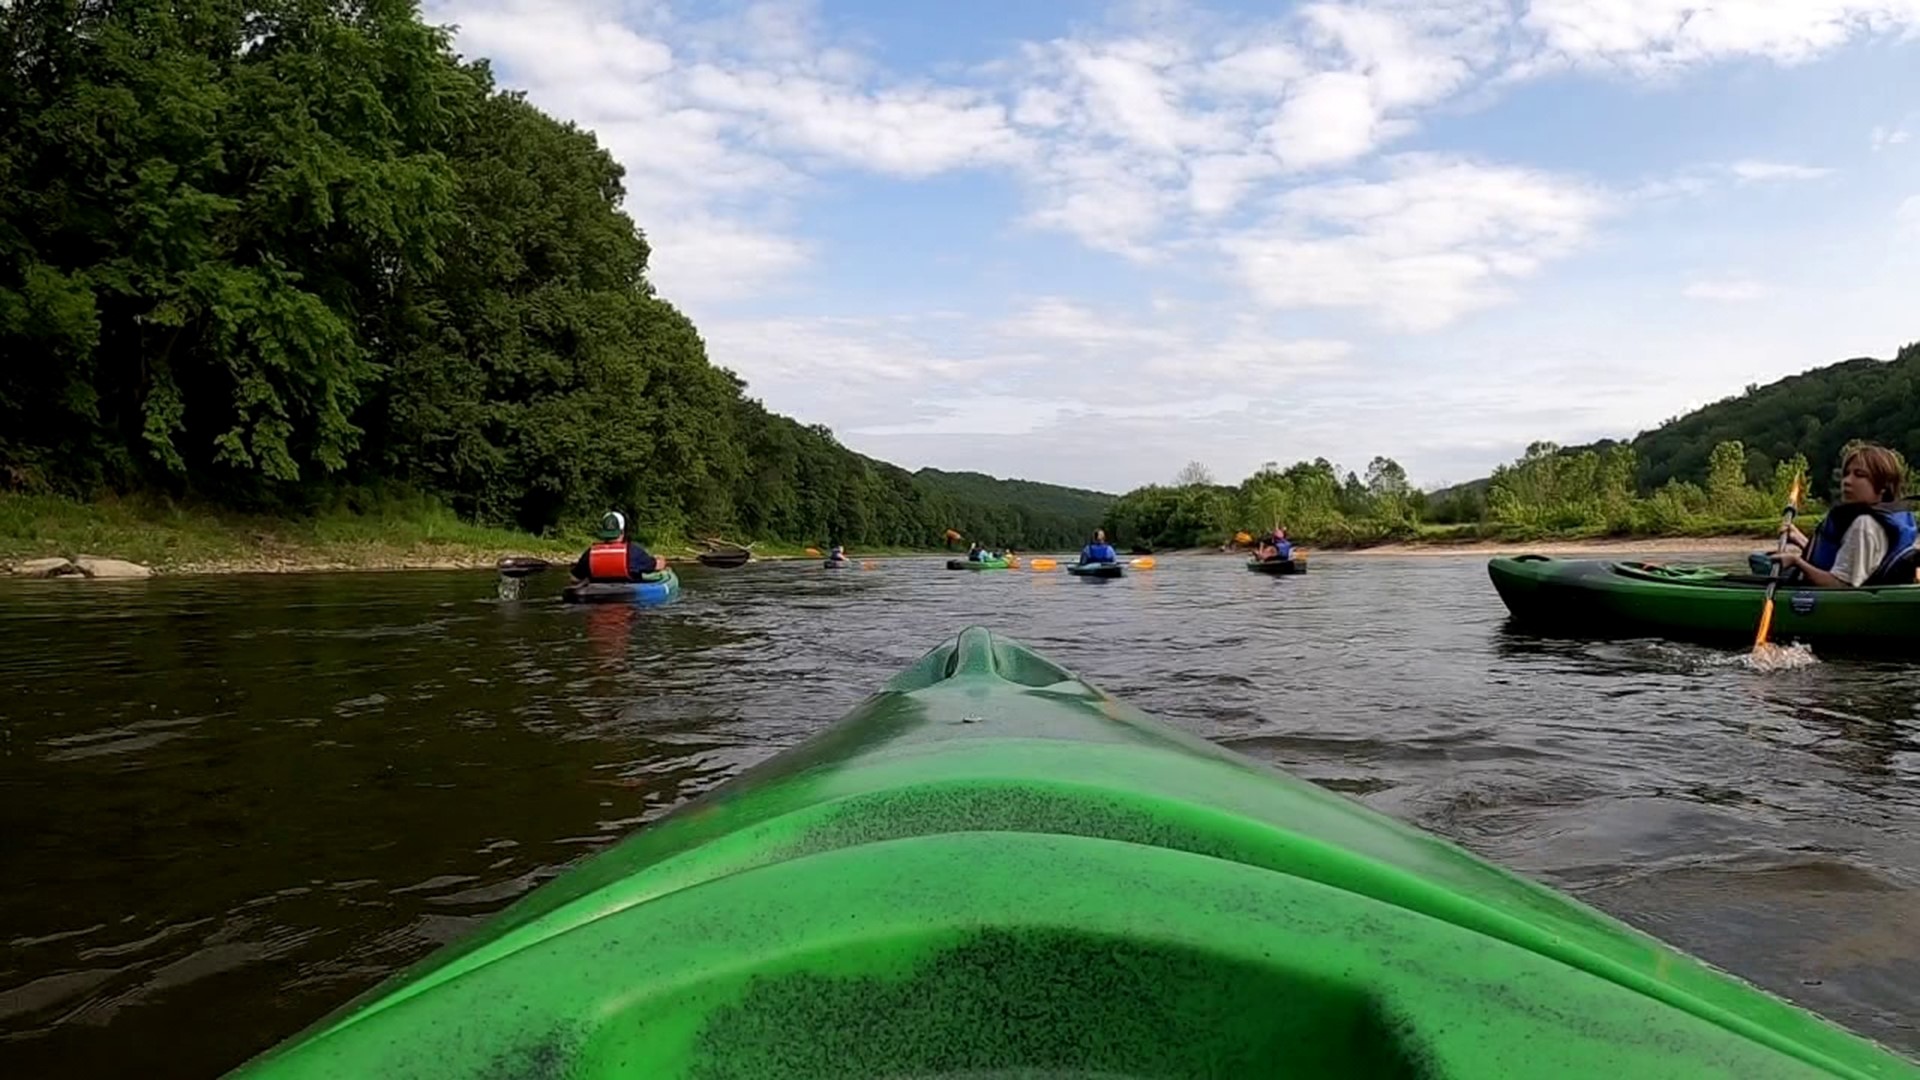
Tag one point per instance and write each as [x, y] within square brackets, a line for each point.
[261, 253]
[1814, 415]
[1547, 491]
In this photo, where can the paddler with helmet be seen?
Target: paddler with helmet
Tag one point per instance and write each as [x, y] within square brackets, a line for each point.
[614, 558]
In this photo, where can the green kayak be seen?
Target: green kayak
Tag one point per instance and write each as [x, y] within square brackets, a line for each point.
[1698, 603]
[981, 564]
[991, 868]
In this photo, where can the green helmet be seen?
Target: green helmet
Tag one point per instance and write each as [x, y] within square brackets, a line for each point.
[613, 526]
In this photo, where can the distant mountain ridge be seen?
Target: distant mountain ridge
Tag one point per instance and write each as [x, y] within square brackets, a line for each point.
[1815, 413]
[1019, 511]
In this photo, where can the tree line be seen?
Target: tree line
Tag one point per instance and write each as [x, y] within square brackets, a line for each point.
[1813, 415]
[1547, 491]
[274, 253]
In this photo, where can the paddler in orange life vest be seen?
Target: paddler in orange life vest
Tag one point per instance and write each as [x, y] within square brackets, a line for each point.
[615, 558]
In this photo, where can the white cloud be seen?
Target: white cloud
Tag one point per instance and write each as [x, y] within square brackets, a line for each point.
[1907, 217]
[1731, 291]
[1760, 172]
[906, 131]
[1882, 137]
[1329, 119]
[1657, 36]
[1439, 239]
[702, 259]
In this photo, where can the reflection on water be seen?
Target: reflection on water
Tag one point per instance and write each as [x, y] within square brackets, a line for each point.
[250, 798]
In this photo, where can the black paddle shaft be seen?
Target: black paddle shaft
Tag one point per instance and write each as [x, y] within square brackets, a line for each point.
[1773, 580]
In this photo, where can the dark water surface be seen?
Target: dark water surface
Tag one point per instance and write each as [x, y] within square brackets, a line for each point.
[229, 804]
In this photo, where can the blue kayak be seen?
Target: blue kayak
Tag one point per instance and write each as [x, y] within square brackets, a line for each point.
[651, 589]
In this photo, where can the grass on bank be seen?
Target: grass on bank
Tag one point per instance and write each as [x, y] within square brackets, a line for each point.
[1494, 532]
[391, 533]
[169, 536]
[418, 532]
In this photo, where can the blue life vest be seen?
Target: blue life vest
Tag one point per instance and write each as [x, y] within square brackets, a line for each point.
[1093, 553]
[1283, 549]
[1823, 547]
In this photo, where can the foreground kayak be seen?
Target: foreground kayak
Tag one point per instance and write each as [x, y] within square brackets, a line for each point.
[984, 564]
[1698, 603]
[1097, 570]
[1277, 566]
[651, 589]
[837, 564]
[991, 868]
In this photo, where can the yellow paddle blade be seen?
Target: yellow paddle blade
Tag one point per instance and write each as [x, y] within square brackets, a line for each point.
[1044, 564]
[815, 552]
[1144, 564]
[866, 564]
[1766, 624]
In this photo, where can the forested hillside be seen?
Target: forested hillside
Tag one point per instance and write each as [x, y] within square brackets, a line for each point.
[260, 254]
[1814, 414]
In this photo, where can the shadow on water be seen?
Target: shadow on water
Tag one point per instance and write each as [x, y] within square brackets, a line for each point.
[251, 798]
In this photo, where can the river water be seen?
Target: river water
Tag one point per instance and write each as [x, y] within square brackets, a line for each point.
[228, 804]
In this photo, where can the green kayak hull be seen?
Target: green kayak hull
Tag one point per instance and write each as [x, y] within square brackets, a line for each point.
[969, 564]
[1584, 596]
[991, 868]
[1277, 567]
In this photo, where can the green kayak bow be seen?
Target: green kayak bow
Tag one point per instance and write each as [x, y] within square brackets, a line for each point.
[991, 868]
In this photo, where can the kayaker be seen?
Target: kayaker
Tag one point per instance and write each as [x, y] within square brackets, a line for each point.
[615, 558]
[837, 553]
[1098, 551]
[976, 553]
[1862, 535]
[1275, 547]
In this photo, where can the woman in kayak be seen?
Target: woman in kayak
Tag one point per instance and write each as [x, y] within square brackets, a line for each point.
[1099, 551]
[976, 553]
[1863, 534]
[1275, 548]
[615, 558]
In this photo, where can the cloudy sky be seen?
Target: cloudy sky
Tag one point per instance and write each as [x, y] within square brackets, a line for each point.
[1086, 242]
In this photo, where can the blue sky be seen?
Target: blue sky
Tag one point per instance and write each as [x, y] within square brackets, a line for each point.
[1087, 243]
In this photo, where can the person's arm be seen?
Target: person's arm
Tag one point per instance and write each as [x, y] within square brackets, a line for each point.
[1862, 550]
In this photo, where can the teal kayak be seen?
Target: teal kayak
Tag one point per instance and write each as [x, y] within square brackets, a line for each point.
[1097, 570]
[650, 589]
[991, 868]
[1698, 603]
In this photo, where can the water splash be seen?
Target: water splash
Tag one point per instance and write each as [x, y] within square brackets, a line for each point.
[1780, 657]
[509, 587]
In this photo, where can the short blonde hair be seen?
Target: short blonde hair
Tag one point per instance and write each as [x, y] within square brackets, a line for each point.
[1882, 467]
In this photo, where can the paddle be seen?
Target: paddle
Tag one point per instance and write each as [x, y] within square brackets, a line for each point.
[520, 566]
[1787, 515]
[1043, 564]
[1145, 563]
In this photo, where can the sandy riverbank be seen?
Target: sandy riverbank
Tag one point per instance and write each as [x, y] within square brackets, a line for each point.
[1676, 545]
[1680, 545]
